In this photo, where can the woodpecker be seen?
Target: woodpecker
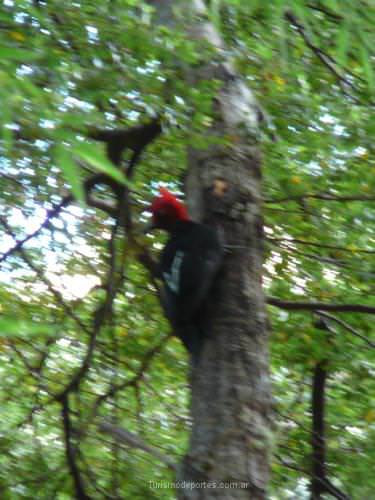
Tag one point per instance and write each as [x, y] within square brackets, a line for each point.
[188, 265]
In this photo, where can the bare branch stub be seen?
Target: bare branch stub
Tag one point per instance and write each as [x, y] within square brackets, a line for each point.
[134, 138]
[117, 141]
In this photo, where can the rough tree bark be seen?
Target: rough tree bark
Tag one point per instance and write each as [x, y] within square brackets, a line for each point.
[230, 386]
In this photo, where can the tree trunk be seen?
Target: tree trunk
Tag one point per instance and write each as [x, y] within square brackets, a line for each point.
[230, 385]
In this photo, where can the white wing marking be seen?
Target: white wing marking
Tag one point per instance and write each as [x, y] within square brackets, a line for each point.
[172, 279]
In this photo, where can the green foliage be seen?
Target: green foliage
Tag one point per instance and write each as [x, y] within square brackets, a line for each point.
[96, 159]
[11, 327]
[63, 158]
[64, 70]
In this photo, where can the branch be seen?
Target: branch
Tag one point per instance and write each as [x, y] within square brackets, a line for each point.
[71, 451]
[347, 327]
[51, 214]
[114, 388]
[319, 245]
[12, 179]
[101, 314]
[290, 466]
[135, 138]
[318, 258]
[55, 211]
[331, 15]
[335, 492]
[105, 206]
[325, 197]
[326, 59]
[313, 306]
[320, 483]
[42, 278]
[131, 439]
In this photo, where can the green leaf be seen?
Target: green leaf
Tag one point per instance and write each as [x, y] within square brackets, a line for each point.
[17, 328]
[6, 118]
[96, 158]
[332, 4]
[251, 7]
[30, 89]
[214, 12]
[368, 70]
[65, 161]
[302, 14]
[342, 44]
[18, 55]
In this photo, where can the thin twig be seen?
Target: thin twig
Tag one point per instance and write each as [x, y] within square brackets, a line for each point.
[324, 197]
[51, 214]
[42, 278]
[319, 245]
[326, 59]
[131, 439]
[321, 306]
[347, 327]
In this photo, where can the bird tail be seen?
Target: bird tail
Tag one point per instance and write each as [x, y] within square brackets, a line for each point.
[192, 336]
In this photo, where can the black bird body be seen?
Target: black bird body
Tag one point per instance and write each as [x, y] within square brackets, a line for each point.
[188, 266]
